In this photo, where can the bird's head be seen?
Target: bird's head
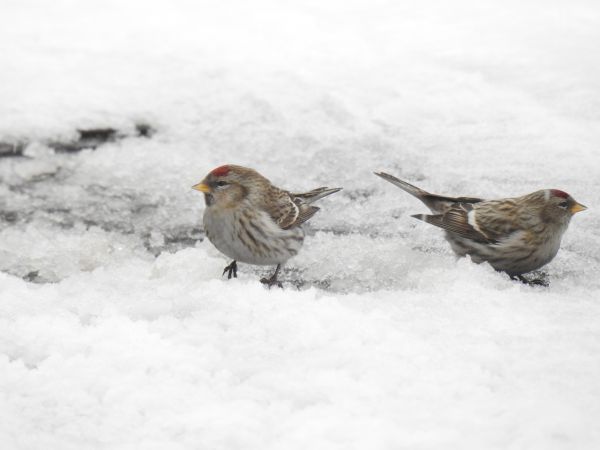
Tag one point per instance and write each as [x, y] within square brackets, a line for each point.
[227, 185]
[559, 206]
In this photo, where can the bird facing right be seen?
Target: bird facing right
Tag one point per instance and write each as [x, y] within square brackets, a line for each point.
[515, 235]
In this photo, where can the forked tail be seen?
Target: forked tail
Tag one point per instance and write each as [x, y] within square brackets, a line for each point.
[436, 203]
[412, 190]
[316, 194]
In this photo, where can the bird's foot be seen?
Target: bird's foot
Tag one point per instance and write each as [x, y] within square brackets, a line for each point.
[540, 280]
[272, 280]
[231, 270]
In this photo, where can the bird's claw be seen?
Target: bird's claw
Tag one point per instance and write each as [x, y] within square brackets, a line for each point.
[270, 282]
[540, 281]
[231, 269]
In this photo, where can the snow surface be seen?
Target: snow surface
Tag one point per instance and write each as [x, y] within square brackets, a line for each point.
[116, 328]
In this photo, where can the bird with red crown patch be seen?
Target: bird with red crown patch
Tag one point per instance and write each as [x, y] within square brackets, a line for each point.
[251, 221]
[515, 235]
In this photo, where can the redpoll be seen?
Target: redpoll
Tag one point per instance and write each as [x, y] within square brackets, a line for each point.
[515, 235]
[252, 221]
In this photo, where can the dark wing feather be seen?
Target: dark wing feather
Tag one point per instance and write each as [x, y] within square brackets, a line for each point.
[456, 220]
[283, 210]
[441, 204]
[290, 210]
[492, 221]
[306, 212]
[291, 213]
[314, 195]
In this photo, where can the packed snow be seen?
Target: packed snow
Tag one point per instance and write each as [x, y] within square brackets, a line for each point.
[117, 329]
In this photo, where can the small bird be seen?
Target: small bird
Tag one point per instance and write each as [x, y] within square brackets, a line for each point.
[515, 235]
[252, 221]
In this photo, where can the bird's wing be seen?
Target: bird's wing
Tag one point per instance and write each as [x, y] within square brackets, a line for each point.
[314, 195]
[441, 204]
[287, 210]
[282, 208]
[498, 219]
[290, 210]
[487, 222]
[306, 212]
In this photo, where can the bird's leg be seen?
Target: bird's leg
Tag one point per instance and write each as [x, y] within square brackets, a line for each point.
[541, 281]
[270, 282]
[231, 269]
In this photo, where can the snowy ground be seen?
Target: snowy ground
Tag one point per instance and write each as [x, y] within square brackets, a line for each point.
[116, 328]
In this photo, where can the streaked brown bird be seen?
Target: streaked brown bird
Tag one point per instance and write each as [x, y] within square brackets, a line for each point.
[515, 235]
[251, 221]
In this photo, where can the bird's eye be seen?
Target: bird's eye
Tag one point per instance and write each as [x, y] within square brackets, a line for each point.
[563, 204]
[221, 183]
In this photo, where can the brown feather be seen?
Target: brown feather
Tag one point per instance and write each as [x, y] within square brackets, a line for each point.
[306, 212]
[455, 221]
[281, 208]
[290, 210]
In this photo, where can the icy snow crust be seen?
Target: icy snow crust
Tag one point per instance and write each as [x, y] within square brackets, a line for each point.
[116, 328]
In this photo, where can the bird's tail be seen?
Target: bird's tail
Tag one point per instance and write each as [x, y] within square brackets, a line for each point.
[436, 203]
[316, 194]
[412, 190]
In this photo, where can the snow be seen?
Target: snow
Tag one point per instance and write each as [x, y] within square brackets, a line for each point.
[116, 328]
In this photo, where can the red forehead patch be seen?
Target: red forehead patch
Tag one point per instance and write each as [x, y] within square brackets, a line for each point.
[221, 171]
[558, 193]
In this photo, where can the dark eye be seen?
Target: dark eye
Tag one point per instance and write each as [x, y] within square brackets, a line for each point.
[221, 183]
[563, 204]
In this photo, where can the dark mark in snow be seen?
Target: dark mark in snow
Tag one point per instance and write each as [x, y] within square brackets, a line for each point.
[301, 284]
[43, 176]
[33, 277]
[173, 240]
[359, 195]
[88, 139]
[185, 240]
[144, 130]
[8, 216]
[11, 149]
[58, 210]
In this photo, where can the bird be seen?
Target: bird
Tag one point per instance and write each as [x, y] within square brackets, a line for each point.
[252, 221]
[514, 235]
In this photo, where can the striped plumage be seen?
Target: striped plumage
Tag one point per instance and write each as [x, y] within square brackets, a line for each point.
[515, 235]
[252, 221]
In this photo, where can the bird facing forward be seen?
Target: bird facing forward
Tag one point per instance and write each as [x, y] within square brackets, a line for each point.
[515, 235]
[251, 221]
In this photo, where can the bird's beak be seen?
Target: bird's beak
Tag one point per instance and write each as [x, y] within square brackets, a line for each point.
[202, 187]
[577, 207]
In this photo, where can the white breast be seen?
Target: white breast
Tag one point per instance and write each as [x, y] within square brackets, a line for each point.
[251, 237]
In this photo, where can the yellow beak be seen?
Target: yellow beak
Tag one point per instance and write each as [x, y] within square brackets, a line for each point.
[577, 207]
[202, 187]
